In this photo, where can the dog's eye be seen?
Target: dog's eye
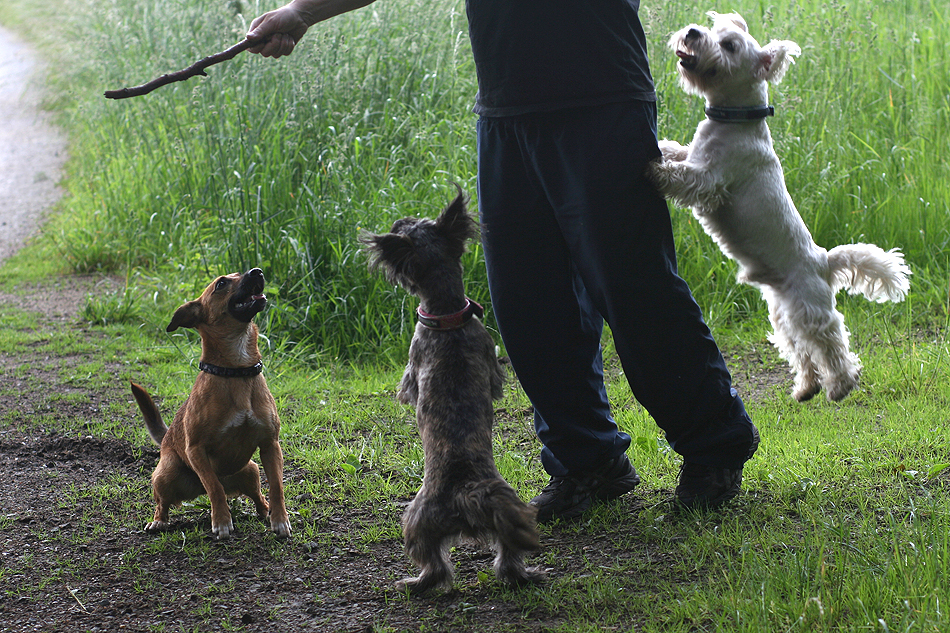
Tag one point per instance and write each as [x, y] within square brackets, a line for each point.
[221, 283]
[729, 46]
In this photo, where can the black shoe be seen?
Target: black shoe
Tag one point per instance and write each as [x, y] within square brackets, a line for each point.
[569, 497]
[706, 487]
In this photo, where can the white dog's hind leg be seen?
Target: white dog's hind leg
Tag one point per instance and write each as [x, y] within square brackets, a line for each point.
[817, 332]
[840, 368]
[807, 378]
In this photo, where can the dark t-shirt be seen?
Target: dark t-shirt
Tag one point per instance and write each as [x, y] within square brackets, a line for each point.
[541, 55]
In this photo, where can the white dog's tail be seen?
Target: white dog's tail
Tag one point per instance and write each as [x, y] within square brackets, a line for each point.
[869, 270]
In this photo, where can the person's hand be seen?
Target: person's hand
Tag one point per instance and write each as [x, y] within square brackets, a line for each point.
[285, 26]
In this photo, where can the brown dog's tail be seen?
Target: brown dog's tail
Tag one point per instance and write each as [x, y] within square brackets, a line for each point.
[153, 419]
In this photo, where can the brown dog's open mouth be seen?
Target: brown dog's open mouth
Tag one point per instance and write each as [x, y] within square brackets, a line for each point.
[249, 298]
[244, 308]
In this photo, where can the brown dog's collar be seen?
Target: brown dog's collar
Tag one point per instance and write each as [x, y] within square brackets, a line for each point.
[451, 321]
[232, 372]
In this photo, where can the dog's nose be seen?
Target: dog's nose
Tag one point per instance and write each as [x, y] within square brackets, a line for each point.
[692, 34]
[255, 272]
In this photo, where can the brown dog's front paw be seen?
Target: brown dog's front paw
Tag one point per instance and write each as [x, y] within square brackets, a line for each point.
[281, 528]
[223, 531]
[156, 526]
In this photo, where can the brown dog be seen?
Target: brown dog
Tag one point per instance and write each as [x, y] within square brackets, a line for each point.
[228, 415]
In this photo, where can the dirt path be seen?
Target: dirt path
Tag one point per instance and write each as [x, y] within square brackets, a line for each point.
[32, 149]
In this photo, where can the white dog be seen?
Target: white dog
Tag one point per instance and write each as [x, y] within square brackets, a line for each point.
[731, 178]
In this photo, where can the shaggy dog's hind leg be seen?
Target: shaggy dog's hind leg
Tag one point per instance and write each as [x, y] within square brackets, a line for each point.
[810, 333]
[510, 568]
[427, 537]
[807, 377]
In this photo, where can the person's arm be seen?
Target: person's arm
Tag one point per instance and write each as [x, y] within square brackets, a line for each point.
[287, 25]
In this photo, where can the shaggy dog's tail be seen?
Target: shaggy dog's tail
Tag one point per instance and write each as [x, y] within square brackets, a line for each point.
[493, 506]
[494, 510]
[153, 419]
[869, 270]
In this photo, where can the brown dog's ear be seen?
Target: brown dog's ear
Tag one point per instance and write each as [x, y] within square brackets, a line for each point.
[455, 223]
[187, 315]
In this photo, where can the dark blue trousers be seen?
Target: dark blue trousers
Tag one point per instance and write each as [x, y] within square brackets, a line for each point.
[574, 235]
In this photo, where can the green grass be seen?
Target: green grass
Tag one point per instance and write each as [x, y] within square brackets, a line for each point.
[846, 523]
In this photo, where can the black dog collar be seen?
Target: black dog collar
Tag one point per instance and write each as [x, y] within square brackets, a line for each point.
[451, 321]
[739, 115]
[232, 372]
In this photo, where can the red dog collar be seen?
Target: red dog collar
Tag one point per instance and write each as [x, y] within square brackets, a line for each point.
[451, 321]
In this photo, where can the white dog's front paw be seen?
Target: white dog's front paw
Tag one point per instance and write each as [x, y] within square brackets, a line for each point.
[659, 172]
[672, 150]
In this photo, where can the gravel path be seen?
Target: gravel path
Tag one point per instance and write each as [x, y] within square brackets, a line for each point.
[32, 149]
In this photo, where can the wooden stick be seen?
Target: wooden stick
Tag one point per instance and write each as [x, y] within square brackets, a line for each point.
[198, 68]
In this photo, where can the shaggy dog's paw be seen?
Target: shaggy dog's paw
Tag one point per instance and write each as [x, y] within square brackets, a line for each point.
[523, 576]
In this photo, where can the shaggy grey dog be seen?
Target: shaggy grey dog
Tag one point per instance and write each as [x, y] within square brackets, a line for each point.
[452, 377]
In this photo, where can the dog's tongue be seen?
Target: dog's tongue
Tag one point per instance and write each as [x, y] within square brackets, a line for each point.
[688, 59]
[257, 297]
